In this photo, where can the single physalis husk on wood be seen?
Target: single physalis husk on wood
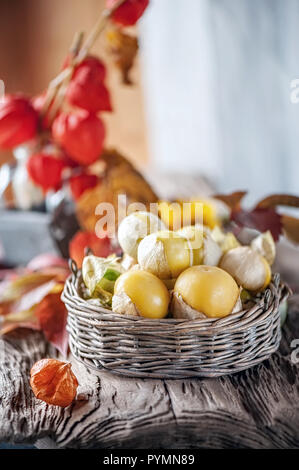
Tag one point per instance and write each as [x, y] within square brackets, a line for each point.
[53, 382]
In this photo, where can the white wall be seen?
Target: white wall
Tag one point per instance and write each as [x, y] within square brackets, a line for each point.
[217, 76]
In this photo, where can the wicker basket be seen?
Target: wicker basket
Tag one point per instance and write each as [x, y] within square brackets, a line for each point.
[169, 348]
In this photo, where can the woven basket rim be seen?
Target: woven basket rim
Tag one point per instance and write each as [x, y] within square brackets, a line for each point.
[276, 293]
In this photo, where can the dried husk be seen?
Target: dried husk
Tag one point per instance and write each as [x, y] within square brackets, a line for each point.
[246, 267]
[181, 310]
[212, 252]
[134, 228]
[152, 257]
[122, 304]
[264, 244]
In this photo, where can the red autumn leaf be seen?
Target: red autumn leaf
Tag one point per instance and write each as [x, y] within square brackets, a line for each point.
[83, 240]
[259, 219]
[81, 183]
[52, 317]
[32, 300]
[82, 135]
[128, 13]
[18, 121]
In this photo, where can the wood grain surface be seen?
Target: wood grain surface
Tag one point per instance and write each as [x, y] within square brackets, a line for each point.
[258, 408]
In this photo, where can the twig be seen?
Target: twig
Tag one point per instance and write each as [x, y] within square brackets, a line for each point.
[58, 86]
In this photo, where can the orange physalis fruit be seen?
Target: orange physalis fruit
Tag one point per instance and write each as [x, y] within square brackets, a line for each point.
[53, 382]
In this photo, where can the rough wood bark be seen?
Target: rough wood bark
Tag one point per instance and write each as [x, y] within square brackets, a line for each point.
[258, 408]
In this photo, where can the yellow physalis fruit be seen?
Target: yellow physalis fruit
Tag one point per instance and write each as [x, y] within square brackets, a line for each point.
[171, 214]
[134, 228]
[165, 254]
[226, 241]
[205, 291]
[264, 244]
[140, 293]
[210, 212]
[205, 249]
[249, 269]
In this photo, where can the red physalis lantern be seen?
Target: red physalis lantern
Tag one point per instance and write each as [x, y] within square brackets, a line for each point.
[38, 103]
[82, 240]
[92, 66]
[82, 136]
[18, 121]
[88, 95]
[86, 89]
[129, 12]
[81, 183]
[45, 171]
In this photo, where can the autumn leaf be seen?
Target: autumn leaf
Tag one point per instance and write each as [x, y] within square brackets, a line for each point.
[291, 228]
[124, 49]
[259, 219]
[52, 317]
[232, 200]
[32, 301]
[278, 200]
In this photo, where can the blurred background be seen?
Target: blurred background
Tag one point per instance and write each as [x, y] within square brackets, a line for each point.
[212, 94]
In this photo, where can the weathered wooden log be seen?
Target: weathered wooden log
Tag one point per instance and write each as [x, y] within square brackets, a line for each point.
[258, 408]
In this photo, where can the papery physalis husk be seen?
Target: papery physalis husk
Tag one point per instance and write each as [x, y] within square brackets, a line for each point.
[53, 382]
[122, 304]
[120, 178]
[128, 262]
[226, 241]
[99, 276]
[265, 246]
[249, 269]
[180, 309]
[124, 48]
